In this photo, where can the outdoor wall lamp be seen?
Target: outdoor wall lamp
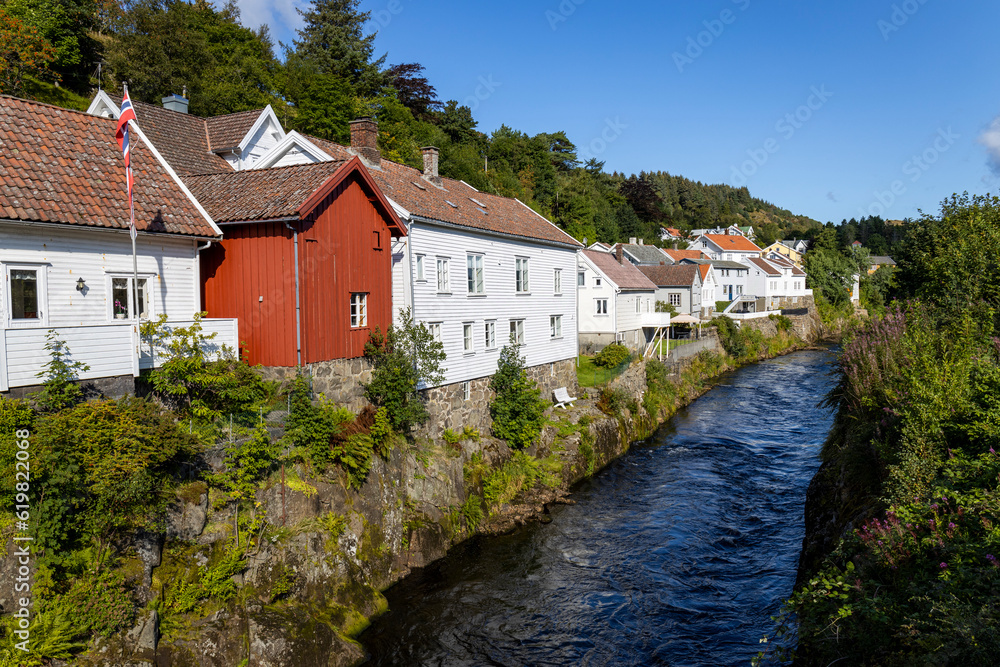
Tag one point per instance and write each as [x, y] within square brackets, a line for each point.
[80, 285]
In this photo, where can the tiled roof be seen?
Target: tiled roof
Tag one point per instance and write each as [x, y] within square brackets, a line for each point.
[181, 138]
[626, 275]
[673, 275]
[732, 242]
[228, 131]
[457, 203]
[704, 269]
[726, 264]
[764, 266]
[881, 260]
[260, 194]
[646, 254]
[678, 255]
[780, 261]
[64, 166]
[796, 271]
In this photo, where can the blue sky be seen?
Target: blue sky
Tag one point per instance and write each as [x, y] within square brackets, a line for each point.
[829, 109]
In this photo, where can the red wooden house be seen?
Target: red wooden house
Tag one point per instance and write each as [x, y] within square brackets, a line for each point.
[305, 261]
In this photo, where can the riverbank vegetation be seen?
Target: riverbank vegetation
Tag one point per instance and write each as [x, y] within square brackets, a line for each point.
[910, 473]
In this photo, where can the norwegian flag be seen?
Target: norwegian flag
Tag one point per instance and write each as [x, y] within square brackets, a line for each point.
[127, 114]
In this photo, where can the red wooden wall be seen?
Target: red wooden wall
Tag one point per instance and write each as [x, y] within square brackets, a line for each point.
[337, 257]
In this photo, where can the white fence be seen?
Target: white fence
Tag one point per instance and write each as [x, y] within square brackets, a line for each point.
[111, 350]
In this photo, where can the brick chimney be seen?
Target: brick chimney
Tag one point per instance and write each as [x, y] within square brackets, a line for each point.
[364, 140]
[618, 253]
[431, 156]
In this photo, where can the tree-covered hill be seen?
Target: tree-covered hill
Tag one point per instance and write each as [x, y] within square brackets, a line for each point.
[331, 74]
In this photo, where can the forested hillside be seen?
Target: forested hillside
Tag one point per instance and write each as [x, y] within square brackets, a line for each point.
[329, 75]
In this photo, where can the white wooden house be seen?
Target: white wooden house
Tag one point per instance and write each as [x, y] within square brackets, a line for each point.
[731, 247]
[777, 281]
[678, 285]
[66, 254]
[617, 303]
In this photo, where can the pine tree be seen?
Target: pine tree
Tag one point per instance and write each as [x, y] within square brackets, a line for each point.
[333, 39]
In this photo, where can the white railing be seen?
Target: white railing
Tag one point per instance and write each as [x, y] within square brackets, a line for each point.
[655, 320]
[225, 330]
[110, 350]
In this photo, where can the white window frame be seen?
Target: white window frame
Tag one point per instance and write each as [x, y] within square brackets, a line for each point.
[435, 330]
[597, 281]
[555, 326]
[490, 335]
[468, 339]
[443, 278]
[359, 310]
[41, 278]
[521, 276]
[638, 305]
[467, 391]
[601, 306]
[581, 279]
[475, 266]
[420, 269]
[517, 331]
[110, 278]
[557, 281]
[674, 298]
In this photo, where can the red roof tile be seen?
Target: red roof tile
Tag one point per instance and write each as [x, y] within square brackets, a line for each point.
[678, 255]
[260, 194]
[626, 275]
[673, 275]
[228, 131]
[456, 203]
[764, 266]
[63, 166]
[732, 242]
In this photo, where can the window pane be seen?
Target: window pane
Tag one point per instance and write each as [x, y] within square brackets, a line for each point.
[142, 298]
[581, 279]
[557, 281]
[24, 294]
[119, 292]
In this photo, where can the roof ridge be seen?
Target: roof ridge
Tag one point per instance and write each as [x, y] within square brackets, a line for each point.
[270, 169]
[55, 106]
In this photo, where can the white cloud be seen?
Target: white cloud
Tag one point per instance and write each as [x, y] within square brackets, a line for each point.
[278, 15]
[991, 139]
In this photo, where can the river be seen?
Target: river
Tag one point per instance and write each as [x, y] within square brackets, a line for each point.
[678, 553]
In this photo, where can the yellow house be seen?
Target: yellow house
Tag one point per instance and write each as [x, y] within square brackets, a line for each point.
[778, 247]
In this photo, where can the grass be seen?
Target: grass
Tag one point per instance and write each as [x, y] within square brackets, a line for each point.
[589, 375]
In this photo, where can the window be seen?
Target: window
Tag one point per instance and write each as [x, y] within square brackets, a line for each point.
[521, 277]
[557, 281]
[359, 310]
[602, 306]
[517, 332]
[491, 335]
[435, 330]
[24, 294]
[675, 298]
[467, 344]
[581, 279]
[474, 264]
[123, 298]
[638, 305]
[442, 274]
[467, 391]
[420, 267]
[555, 326]
[597, 282]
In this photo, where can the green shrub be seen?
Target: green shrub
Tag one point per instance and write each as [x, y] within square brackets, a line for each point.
[587, 452]
[199, 388]
[15, 415]
[613, 401]
[311, 426]
[382, 435]
[612, 356]
[472, 510]
[59, 376]
[354, 455]
[101, 604]
[517, 409]
[519, 474]
[782, 322]
[403, 359]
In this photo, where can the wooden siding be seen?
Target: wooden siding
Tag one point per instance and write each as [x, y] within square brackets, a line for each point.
[250, 275]
[499, 304]
[339, 257]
